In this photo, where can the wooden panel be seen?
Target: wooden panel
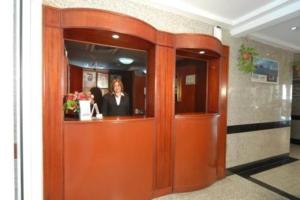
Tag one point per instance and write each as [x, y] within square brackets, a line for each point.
[109, 159]
[76, 74]
[164, 98]
[53, 87]
[198, 41]
[101, 19]
[223, 111]
[201, 88]
[139, 83]
[188, 92]
[193, 97]
[165, 39]
[51, 16]
[151, 82]
[195, 151]
[213, 86]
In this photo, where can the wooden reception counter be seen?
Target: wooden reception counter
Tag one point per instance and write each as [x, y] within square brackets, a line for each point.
[113, 157]
[132, 158]
[195, 136]
[110, 158]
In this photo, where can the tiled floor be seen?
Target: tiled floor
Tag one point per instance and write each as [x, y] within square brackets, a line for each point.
[232, 187]
[295, 151]
[281, 182]
[285, 178]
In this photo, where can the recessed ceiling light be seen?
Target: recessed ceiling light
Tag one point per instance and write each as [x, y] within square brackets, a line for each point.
[202, 52]
[126, 61]
[115, 36]
[293, 28]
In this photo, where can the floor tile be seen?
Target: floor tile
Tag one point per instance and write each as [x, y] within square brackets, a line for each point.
[285, 178]
[295, 151]
[232, 187]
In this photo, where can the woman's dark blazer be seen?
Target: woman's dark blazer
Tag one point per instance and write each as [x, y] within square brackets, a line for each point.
[110, 107]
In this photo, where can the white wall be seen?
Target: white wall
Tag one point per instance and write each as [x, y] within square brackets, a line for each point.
[7, 188]
[32, 99]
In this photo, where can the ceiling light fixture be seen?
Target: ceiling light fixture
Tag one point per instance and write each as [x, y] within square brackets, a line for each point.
[126, 61]
[115, 36]
[293, 28]
[202, 52]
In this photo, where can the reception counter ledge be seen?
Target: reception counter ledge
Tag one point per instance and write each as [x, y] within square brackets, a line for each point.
[195, 162]
[110, 158]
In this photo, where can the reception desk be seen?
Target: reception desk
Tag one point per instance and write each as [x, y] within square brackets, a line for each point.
[133, 158]
[109, 159]
[195, 151]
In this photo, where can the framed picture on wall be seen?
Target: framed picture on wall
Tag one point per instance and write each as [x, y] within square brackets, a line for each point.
[102, 80]
[89, 80]
[266, 71]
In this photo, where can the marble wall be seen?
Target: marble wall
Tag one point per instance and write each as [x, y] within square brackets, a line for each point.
[295, 128]
[252, 146]
[248, 102]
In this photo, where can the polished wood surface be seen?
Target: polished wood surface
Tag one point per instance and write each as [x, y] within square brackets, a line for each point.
[105, 20]
[107, 159]
[138, 96]
[53, 90]
[75, 80]
[198, 41]
[222, 130]
[165, 72]
[166, 165]
[193, 96]
[213, 88]
[195, 136]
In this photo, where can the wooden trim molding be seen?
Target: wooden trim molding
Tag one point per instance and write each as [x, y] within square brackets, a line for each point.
[198, 41]
[162, 47]
[105, 20]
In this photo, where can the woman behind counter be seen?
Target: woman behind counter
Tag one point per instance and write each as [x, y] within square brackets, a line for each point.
[115, 103]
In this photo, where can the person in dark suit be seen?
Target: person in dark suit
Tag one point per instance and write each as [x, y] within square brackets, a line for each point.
[97, 93]
[115, 103]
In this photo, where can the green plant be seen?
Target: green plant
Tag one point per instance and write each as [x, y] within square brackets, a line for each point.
[247, 58]
[71, 101]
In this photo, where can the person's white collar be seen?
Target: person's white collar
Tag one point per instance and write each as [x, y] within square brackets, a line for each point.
[122, 94]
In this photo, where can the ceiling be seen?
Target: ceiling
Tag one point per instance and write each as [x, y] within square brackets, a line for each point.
[88, 55]
[269, 21]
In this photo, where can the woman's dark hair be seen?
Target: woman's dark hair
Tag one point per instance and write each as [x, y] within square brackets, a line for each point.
[97, 96]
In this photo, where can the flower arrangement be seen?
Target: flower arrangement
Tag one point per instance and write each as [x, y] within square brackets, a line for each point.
[247, 58]
[71, 101]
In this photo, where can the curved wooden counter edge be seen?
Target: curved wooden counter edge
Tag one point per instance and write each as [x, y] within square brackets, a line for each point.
[195, 115]
[121, 119]
[195, 136]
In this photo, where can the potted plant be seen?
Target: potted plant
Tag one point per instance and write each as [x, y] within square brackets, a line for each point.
[71, 103]
[247, 58]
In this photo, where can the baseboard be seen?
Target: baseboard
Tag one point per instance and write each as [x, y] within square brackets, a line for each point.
[295, 141]
[245, 168]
